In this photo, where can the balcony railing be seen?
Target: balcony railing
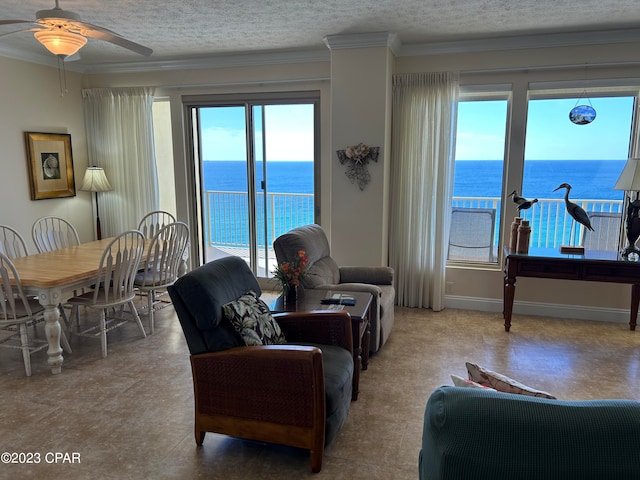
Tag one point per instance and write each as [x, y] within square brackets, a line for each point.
[549, 220]
[227, 214]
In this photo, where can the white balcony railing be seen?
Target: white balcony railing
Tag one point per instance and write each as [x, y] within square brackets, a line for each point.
[227, 214]
[550, 222]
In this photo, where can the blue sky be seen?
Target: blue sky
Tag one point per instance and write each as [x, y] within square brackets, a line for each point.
[550, 134]
[290, 133]
[481, 131]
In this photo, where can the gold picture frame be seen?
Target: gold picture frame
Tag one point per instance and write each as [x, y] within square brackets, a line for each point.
[50, 164]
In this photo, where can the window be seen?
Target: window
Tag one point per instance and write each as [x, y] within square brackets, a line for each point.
[587, 157]
[257, 157]
[529, 125]
[477, 191]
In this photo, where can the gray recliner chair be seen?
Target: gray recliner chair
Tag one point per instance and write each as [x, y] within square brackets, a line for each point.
[324, 273]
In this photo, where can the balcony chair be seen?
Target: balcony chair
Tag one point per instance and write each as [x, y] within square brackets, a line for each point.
[164, 260]
[296, 394]
[12, 244]
[52, 233]
[607, 227]
[152, 222]
[113, 287]
[324, 273]
[19, 312]
[471, 234]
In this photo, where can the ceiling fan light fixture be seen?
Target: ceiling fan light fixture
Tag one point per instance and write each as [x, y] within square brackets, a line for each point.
[60, 42]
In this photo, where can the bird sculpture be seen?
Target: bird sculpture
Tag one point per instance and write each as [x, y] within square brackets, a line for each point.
[522, 203]
[575, 210]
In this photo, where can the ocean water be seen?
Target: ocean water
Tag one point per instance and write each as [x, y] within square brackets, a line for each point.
[282, 177]
[228, 214]
[590, 179]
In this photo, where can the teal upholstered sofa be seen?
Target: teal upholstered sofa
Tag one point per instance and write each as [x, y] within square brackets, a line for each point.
[474, 433]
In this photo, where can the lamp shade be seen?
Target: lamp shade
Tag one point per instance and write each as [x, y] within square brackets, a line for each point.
[95, 180]
[630, 177]
[60, 42]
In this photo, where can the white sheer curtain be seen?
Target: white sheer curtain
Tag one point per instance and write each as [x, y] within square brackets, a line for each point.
[119, 125]
[424, 107]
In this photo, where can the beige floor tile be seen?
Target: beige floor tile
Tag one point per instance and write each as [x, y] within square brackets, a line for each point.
[130, 415]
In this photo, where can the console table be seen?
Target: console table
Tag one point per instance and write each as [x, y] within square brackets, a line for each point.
[594, 266]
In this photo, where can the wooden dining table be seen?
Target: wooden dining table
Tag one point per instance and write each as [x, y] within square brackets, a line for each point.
[53, 277]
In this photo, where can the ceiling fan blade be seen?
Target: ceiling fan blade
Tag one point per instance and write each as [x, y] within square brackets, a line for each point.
[9, 22]
[94, 31]
[32, 29]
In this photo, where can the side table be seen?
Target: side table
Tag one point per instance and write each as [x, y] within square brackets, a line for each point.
[311, 300]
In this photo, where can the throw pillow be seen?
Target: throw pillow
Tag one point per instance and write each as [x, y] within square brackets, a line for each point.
[463, 382]
[502, 383]
[252, 319]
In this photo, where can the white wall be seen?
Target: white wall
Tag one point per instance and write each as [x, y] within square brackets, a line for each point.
[31, 101]
[360, 112]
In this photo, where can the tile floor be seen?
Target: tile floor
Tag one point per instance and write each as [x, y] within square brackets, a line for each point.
[129, 416]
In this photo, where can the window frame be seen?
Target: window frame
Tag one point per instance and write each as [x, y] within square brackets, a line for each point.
[479, 93]
[518, 90]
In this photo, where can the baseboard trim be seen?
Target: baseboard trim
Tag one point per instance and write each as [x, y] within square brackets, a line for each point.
[617, 315]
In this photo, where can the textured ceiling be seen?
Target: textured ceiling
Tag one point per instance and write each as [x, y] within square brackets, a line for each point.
[176, 29]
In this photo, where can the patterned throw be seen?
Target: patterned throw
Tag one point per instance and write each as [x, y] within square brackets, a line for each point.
[502, 383]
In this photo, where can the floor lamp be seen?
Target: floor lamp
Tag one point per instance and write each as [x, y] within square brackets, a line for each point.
[96, 181]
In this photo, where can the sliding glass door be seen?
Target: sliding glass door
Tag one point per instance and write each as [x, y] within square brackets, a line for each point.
[256, 162]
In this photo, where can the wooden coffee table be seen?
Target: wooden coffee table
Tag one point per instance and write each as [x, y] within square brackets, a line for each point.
[310, 300]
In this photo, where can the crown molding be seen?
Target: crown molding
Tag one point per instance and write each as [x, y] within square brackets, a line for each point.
[222, 61]
[523, 42]
[364, 40]
[31, 57]
[191, 63]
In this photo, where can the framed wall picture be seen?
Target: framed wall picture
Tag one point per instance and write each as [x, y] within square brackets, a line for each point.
[50, 164]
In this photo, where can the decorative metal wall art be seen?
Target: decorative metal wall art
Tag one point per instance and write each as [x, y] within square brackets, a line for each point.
[356, 158]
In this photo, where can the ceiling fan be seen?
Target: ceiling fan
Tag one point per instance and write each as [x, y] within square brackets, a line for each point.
[63, 33]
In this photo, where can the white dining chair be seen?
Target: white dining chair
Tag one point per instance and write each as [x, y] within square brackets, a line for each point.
[152, 222]
[114, 287]
[52, 233]
[17, 312]
[165, 256]
[12, 244]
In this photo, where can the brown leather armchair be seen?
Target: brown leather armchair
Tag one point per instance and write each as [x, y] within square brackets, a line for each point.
[292, 394]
